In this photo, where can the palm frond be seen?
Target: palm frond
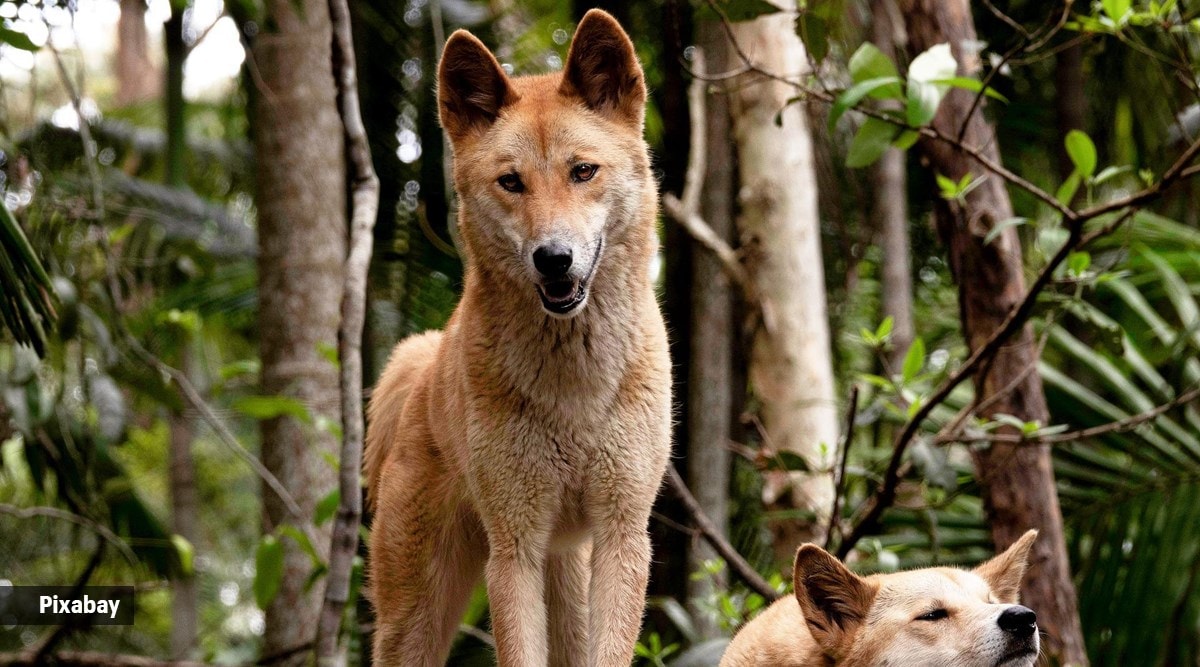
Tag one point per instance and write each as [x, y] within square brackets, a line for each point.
[27, 300]
[1131, 497]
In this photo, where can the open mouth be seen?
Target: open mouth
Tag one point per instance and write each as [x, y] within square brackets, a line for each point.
[562, 296]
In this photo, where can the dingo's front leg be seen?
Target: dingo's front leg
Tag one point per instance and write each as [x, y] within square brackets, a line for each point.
[516, 593]
[620, 570]
[516, 502]
[567, 575]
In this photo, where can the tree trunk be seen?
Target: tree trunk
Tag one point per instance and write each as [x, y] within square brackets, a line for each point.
[176, 50]
[710, 372]
[136, 78]
[669, 574]
[184, 511]
[302, 246]
[1017, 480]
[1070, 101]
[890, 212]
[791, 371]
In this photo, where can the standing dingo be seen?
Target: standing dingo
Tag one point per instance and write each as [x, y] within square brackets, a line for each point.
[527, 441]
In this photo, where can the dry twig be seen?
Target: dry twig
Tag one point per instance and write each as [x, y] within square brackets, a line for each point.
[364, 207]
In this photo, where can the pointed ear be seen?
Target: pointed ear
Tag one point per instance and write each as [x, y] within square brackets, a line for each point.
[1005, 572]
[472, 87]
[603, 69]
[834, 600]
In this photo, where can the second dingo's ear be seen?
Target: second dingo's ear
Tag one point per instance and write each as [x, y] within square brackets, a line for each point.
[472, 88]
[833, 599]
[603, 69]
[1005, 572]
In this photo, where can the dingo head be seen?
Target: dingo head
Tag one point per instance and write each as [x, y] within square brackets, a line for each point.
[934, 616]
[551, 170]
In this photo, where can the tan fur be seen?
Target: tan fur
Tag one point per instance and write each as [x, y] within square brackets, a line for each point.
[521, 444]
[838, 618]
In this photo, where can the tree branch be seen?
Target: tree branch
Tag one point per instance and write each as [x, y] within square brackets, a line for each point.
[709, 531]
[685, 210]
[364, 208]
[840, 472]
[1118, 426]
[63, 515]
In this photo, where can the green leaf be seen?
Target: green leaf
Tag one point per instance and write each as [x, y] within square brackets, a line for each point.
[326, 507]
[998, 228]
[922, 104]
[1111, 172]
[947, 187]
[1066, 191]
[330, 352]
[301, 539]
[268, 571]
[813, 30]
[854, 94]
[185, 552]
[17, 39]
[973, 85]
[885, 328]
[1078, 262]
[1116, 9]
[914, 360]
[239, 368]
[873, 138]
[270, 407]
[906, 139]
[924, 92]
[868, 62]
[1081, 151]
[734, 10]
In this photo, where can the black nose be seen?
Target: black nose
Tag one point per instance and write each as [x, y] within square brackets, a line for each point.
[1021, 621]
[552, 260]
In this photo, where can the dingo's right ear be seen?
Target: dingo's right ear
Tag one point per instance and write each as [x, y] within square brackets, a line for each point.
[472, 87]
[833, 599]
[1005, 571]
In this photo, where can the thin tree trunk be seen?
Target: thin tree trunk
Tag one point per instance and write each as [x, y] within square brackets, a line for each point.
[791, 368]
[669, 574]
[136, 78]
[710, 373]
[301, 183]
[176, 50]
[1017, 480]
[184, 511]
[890, 211]
[1070, 101]
[185, 507]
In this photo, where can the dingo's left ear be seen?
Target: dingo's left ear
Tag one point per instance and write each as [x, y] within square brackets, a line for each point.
[603, 69]
[472, 87]
[833, 599]
[1005, 571]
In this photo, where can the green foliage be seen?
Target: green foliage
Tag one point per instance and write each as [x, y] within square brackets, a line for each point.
[1131, 497]
[28, 298]
[930, 75]
[268, 570]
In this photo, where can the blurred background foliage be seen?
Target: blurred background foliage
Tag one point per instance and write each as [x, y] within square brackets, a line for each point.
[105, 262]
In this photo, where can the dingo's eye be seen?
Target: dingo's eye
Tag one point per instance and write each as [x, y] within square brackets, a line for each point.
[935, 615]
[511, 182]
[583, 172]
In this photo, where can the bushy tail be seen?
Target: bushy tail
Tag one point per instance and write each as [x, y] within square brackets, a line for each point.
[409, 359]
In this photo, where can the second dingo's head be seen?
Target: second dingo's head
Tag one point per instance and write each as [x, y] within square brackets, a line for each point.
[551, 170]
[934, 616]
